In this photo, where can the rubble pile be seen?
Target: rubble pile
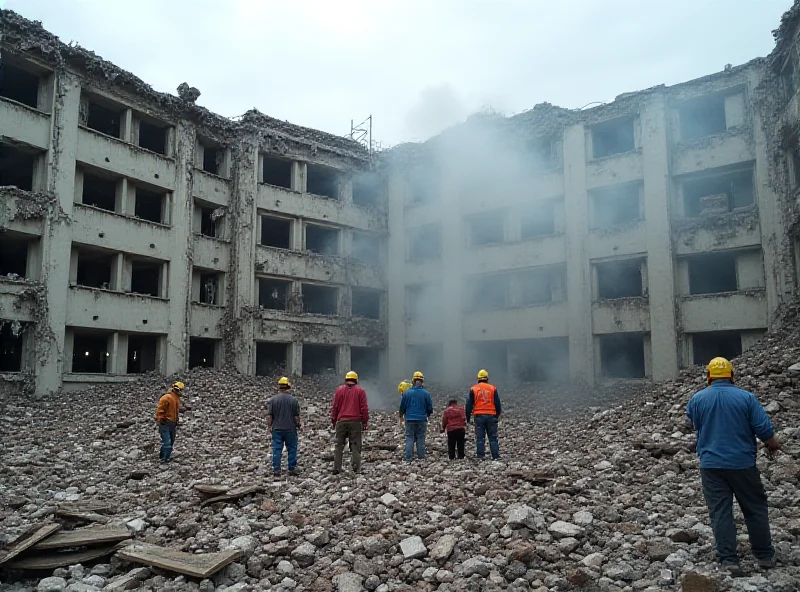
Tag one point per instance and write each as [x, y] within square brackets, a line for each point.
[607, 501]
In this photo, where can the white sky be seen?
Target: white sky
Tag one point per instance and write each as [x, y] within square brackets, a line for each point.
[417, 66]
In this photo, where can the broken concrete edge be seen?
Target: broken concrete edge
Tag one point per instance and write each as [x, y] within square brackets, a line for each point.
[177, 561]
[234, 494]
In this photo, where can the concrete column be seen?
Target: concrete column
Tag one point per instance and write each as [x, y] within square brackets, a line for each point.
[294, 359]
[119, 353]
[57, 235]
[125, 202]
[69, 342]
[126, 126]
[343, 359]
[297, 238]
[346, 190]
[655, 155]
[452, 275]
[118, 273]
[395, 279]
[579, 284]
[299, 176]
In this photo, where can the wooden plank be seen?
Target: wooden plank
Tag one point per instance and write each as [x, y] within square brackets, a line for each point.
[209, 490]
[50, 561]
[93, 535]
[98, 507]
[194, 565]
[82, 516]
[27, 539]
[234, 494]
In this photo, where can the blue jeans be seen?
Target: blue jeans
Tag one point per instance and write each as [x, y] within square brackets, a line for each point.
[279, 438]
[415, 434]
[167, 431]
[486, 424]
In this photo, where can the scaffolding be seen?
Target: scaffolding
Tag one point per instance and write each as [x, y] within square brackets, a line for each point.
[362, 133]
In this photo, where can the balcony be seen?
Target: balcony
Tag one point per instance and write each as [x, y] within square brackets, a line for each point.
[211, 253]
[320, 268]
[206, 321]
[125, 159]
[723, 312]
[24, 124]
[109, 230]
[548, 320]
[311, 207]
[117, 311]
[22, 211]
[731, 147]
[14, 303]
[614, 241]
[545, 250]
[275, 325]
[730, 230]
[614, 170]
[211, 188]
[621, 315]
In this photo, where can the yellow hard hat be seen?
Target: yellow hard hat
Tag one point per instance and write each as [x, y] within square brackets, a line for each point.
[719, 368]
[483, 375]
[351, 376]
[403, 387]
[283, 381]
[418, 376]
[178, 385]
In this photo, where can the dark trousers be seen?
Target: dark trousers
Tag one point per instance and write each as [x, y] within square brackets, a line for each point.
[486, 425]
[167, 430]
[415, 435]
[351, 431]
[281, 438]
[719, 488]
[455, 439]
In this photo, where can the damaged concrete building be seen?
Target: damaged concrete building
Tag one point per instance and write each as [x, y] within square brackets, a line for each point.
[623, 241]
[140, 232]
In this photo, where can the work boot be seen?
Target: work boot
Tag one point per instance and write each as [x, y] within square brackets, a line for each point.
[276, 473]
[293, 472]
[770, 563]
[733, 568]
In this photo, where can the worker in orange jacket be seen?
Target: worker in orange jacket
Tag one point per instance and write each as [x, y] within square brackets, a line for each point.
[484, 403]
[167, 419]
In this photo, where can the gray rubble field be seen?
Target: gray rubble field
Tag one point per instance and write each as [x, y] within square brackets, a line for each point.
[607, 499]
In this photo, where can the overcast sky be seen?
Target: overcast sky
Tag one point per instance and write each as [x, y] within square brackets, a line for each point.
[417, 66]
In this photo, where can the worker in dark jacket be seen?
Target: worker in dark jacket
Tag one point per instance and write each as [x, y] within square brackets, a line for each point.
[167, 419]
[484, 403]
[350, 418]
[416, 406]
[728, 420]
[283, 421]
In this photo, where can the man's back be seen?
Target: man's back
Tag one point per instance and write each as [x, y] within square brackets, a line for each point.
[416, 404]
[284, 409]
[350, 404]
[727, 420]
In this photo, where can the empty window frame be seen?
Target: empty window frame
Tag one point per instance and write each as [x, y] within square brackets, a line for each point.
[100, 192]
[366, 248]
[142, 354]
[703, 117]
[613, 137]
[17, 166]
[322, 181]
[150, 205]
[423, 301]
[422, 186]
[211, 224]
[486, 228]
[276, 232]
[718, 193]
[153, 136]
[322, 239]
[202, 352]
[425, 242]
[544, 151]
[18, 84]
[619, 279]
[366, 303]
[211, 288]
[213, 157]
[535, 286]
[95, 269]
[539, 360]
[612, 206]
[367, 362]
[273, 294]
[278, 172]
[13, 256]
[709, 345]
[318, 359]
[322, 300]
[104, 117]
[366, 190]
[146, 277]
[712, 273]
[11, 343]
[90, 353]
[488, 292]
[538, 219]
[270, 357]
[622, 355]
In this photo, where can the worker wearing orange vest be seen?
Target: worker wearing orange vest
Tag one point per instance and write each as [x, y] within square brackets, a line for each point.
[484, 403]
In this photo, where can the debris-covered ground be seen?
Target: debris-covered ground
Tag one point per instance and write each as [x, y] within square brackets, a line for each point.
[610, 500]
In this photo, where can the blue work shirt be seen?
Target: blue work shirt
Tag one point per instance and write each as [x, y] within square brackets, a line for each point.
[416, 404]
[727, 420]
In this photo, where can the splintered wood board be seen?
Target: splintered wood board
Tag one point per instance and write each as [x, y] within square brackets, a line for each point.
[197, 566]
[82, 516]
[50, 561]
[233, 494]
[29, 538]
[84, 537]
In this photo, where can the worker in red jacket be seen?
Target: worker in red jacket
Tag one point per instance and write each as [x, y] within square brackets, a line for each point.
[350, 418]
[454, 422]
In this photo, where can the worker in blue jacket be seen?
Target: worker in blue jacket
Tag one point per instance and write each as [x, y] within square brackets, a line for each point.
[728, 420]
[416, 406]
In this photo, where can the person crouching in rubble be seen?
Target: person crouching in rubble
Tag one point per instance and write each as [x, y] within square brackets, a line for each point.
[454, 422]
[167, 419]
[727, 420]
[283, 421]
[349, 417]
[416, 406]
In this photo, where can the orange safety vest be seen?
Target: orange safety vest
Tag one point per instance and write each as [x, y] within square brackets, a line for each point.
[484, 399]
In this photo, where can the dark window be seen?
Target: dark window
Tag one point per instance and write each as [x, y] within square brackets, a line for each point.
[318, 359]
[619, 279]
[487, 229]
[612, 138]
[209, 225]
[322, 300]
[540, 360]
[423, 301]
[366, 248]
[795, 156]
[17, 167]
[367, 362]
[366, 190]
[366, 303]
[202, 352]
[153, 137]
[142, 353]
[10, 346]
[543, 151]
[323, 181]
[94, 269]
[104, 120]
[212, 158]
[149, 205]
[622, 355]
[13, 257]
[718, 194]
[711, 273]
[273, 294]
[278, 172]
[707, 346]
[535, 287]
[615, 205]
[488, 292]
[322, 240]
[145, 277]
[539, 219]
[425, 243]
[276, 232]
[270, 357]
[210, 288]
[703, 118]
[100, 192]
[18, 85]
[90, 353]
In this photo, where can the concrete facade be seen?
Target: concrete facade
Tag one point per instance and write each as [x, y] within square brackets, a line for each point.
[140, 232]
